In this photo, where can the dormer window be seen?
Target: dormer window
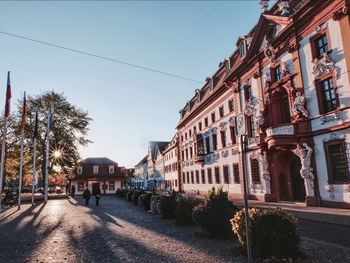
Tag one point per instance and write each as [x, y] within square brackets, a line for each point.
[111, 169]
[243, 48]
[227, 65]
[79, 170]
[95, 169]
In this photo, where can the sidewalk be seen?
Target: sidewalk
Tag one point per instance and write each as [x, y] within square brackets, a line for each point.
[320, 214]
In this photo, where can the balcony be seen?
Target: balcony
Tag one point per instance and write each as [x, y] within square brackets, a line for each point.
[282, 135]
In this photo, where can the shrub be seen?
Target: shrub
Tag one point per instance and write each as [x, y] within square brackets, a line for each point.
[129, 195]
[167, 205]
[145, 200]
[155, 203]
[184, 207]
[273, 232]
[135, 196]
[214, 215]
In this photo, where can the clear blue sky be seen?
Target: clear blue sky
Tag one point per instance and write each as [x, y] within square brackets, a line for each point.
[129, 107]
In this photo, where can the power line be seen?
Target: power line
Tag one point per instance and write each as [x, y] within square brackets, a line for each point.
[100, 57]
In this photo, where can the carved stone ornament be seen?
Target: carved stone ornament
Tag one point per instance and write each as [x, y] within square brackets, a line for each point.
[306, 171]
[341, 12]
[232, 121]
[329, 188]
[211, 83]
[267, 77]
[331, 117]
[293, 47]
[269, 53]
[334, 136]
[299, 106]
[223, 126]
[249, 107]
[323, 66]
[282, 130]
[262, 158]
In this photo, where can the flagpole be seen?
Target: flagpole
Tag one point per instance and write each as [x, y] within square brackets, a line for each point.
[2, 159]
[47, 156]
[20, 171]
[34, 170]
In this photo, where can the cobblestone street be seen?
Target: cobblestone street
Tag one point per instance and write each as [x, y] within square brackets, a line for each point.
[117, 231]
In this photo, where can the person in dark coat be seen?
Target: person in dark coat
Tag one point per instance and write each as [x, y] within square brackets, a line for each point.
[73, 190]
[86, 196]
[97, 195]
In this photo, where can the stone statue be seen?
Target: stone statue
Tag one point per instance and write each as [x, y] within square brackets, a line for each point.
[265, 171]
[323, 65]
[259, 118]
[306, 171]
[249, 107]
[299, 105]
[269, 52]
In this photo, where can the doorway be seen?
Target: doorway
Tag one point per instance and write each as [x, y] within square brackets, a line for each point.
[297, 181]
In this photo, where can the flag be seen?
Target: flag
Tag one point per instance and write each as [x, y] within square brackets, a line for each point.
[24, 110]
[35, 135]
[8, 96]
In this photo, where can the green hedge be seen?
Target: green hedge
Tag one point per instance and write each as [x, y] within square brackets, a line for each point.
[274, 232]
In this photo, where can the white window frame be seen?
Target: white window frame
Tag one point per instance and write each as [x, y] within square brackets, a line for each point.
[79, 170]
[111, 169]
[95, 169]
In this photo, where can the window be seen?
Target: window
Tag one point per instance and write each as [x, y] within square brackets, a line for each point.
[251, 127]
[191, 153]
[337, 160]
[236, 173]
[183, 178]
[233, 134]
[328, 95]
[190, 133]
[215, 141]
[207, 144]
[217, 175]
[321, 45]
[197, 177]
[194, 129]
[223, 138]
[186, 154]
[200, 126]
[203, 176]
[210, 179]
[188, 177]
[221, 111]
[192, 177]
[175, 182]
[111, 186]
[226, 175]
[80, 186]
[254, 165]
[248, 94]
[206, 122]
[79, 170]
[183, 155]
[186, 136]
[277, 73]
[182, 138]
[111, 169]
[213, 117]
[95, 169]
[242, 48]
[230, 105]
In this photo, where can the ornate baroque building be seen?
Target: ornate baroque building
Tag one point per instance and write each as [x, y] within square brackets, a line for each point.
[286, 86]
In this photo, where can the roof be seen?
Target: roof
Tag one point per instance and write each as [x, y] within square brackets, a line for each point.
[98, 161]
[154, 145]
[144, 160]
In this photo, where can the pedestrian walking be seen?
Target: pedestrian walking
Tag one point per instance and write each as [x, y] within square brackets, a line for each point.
[73, 190]
[86, 196]
[97, 195]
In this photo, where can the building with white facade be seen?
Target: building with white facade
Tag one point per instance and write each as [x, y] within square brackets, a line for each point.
[286, 88]
[171, 172]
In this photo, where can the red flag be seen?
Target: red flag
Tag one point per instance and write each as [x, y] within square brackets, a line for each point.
[24, 110]
[8, 96]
